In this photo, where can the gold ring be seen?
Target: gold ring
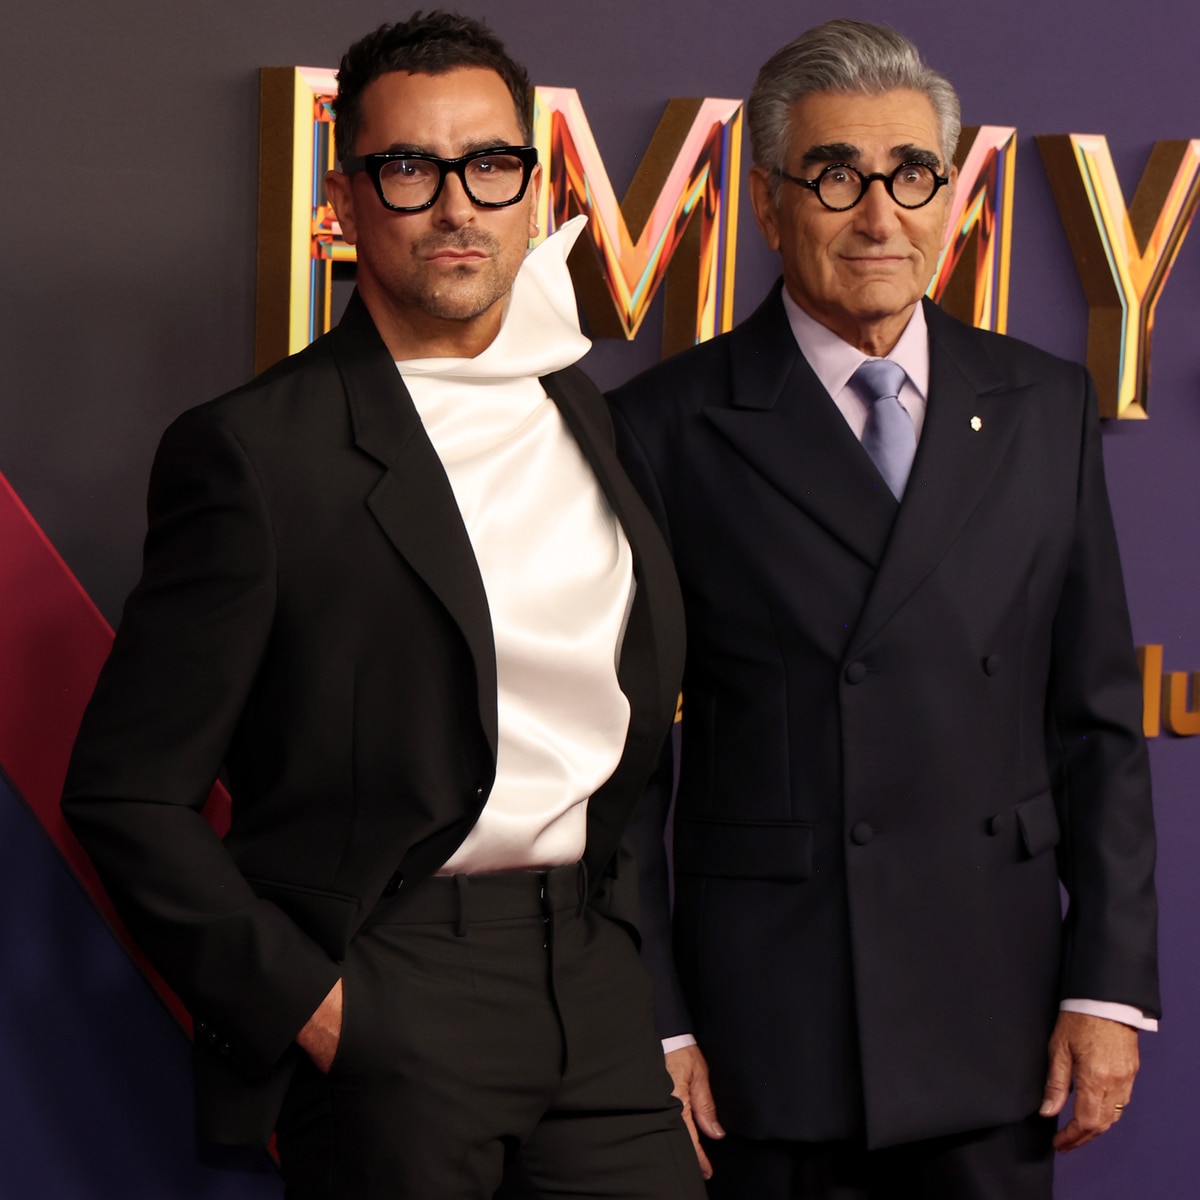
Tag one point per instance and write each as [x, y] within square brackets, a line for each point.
[1118, 1107]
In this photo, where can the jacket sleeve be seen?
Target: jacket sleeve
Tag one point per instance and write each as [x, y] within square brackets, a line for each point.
[155, 734]
[1099, 761]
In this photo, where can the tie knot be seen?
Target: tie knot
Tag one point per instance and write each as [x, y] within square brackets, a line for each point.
[878, 379]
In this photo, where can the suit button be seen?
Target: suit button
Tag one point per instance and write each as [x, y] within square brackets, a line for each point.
[861, 834]
[991, 664]
[225, 1049]
[479, 791]
[393, 885]
[996, 824]
[856, 672]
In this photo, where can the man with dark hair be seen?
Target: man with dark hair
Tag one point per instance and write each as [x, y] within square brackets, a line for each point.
[423, 45]
[400, 587]
[911, 706]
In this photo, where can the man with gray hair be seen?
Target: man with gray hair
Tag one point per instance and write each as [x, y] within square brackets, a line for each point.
[911, 703]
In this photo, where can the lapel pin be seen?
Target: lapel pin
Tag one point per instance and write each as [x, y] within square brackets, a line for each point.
[976, 424]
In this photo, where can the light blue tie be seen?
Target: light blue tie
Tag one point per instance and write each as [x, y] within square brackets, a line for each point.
[888, 437]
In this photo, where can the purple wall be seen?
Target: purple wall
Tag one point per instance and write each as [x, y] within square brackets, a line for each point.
[130, 143]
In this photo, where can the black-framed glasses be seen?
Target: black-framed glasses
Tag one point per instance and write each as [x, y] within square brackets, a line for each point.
[410, 182]
[840, 186]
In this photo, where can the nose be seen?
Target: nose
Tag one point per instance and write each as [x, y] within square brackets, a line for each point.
[453, 207]
[877, 214]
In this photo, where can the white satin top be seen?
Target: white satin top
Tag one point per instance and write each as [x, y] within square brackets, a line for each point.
[556, 567]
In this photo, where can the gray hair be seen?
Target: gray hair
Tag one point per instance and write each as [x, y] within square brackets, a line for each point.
[842, 56]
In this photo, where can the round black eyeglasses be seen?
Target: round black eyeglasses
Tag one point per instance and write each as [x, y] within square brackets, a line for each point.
[840, 186]
[407, 182]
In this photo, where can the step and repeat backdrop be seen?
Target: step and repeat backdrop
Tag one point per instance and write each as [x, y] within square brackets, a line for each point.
[168, 235]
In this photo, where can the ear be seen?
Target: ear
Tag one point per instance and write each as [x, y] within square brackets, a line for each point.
[949, 202]
[340, 193]
[535, 194]
[762, 200]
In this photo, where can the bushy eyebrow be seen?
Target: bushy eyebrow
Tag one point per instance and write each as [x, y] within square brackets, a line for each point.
[830, 152]
[833, 152]
[917, 154]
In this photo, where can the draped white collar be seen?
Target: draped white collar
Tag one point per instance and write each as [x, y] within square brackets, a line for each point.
[539, 331]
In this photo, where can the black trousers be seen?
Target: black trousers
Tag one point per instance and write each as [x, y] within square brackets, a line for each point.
[1008, 1162]
[490, 1020]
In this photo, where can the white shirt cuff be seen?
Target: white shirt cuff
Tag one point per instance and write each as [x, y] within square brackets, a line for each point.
[678, 1042]
[1125, 1013]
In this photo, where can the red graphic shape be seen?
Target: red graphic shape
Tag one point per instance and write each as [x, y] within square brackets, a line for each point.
[53, 642]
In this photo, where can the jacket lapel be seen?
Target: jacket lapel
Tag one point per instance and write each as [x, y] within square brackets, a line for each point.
[972, 415]
[787, 427]
[637, 684]
[652, 651]
[413, 501]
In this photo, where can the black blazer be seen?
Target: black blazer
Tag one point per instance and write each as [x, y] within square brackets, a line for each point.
[311, 615]
[903, 725]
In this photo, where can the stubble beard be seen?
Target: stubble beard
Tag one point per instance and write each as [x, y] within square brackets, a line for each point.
[464, 292]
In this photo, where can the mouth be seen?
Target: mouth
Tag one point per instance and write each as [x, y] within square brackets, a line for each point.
[463, 249]
[454, 258]
[875, 264]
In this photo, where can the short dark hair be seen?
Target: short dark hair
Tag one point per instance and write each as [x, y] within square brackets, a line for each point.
[426, 44]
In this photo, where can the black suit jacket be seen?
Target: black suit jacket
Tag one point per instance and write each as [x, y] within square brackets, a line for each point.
[311, 615]
[903, 726]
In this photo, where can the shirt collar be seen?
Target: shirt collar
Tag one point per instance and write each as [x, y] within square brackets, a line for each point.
[539, 331]
[834, 360]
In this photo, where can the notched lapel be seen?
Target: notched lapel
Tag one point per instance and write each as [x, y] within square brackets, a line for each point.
[972, 416]
[786, 426]
[415, 507]
[413, 501]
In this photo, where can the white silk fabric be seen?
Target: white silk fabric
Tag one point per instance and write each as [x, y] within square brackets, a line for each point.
[556, 567]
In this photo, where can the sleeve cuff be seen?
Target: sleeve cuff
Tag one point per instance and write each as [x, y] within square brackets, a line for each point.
[1126, 1014]
[678, 1042]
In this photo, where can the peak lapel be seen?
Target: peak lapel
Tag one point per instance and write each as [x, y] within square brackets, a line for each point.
[970, 420]
[413, 501]
[784, 423]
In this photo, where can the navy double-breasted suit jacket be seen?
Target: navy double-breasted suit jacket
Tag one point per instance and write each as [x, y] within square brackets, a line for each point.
[904, 725]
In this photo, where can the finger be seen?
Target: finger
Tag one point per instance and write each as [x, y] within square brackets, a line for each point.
[1094, 1114]
[1071, 1137]
[704, 1108]
[1093, 1111]
[701, 1157]
[1058, 1079]
[1075, 1134]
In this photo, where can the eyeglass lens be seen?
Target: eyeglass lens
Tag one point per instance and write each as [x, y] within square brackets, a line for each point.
[912, 184]
[489, 179]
